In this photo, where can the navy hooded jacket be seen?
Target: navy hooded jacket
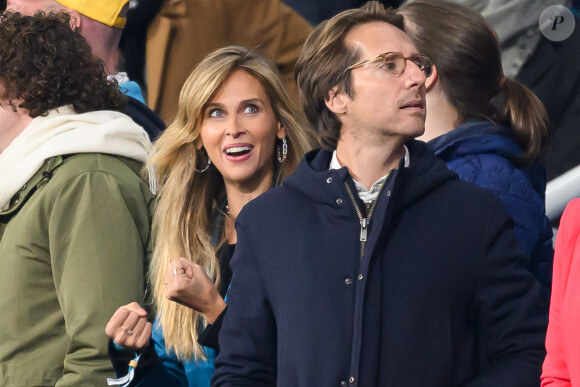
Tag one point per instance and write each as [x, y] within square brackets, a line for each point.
[440, 297]
[483, 153]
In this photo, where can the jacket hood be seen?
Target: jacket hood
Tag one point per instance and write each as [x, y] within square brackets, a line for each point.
[62, 132]
[145, 117]
[424, 174]
[475, 137]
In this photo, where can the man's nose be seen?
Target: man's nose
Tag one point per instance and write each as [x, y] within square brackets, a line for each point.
[415, 76]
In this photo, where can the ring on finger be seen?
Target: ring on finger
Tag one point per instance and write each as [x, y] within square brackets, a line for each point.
[127, 330]
[178, 270]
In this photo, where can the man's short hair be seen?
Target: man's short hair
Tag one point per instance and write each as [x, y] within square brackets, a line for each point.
[44, 64]
[323, 65]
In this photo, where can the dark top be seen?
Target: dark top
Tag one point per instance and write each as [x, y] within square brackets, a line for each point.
[224, 256]
[553, 75]
[145, 117]
[209, 337]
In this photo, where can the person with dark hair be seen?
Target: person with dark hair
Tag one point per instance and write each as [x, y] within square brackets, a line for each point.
[101, 23]
[374, 264]
[74, 212]
[549, 67]
[490, 130]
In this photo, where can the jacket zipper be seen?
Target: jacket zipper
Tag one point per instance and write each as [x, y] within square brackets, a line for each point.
[364, 221]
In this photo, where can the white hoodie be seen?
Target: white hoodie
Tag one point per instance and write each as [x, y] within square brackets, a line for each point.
[64, 132]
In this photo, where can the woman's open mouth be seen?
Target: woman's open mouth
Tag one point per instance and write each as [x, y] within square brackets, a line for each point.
[238, 152]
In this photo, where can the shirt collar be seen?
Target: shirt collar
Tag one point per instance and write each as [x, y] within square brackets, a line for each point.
[335, 164]
[369, 195]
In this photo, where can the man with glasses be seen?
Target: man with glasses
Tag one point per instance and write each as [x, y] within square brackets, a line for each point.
[374, 265]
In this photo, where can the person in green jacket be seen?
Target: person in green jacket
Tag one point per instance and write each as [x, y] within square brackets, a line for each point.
[74, 211]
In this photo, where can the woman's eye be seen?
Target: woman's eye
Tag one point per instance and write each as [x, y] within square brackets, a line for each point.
[215, 113]
[251, 109]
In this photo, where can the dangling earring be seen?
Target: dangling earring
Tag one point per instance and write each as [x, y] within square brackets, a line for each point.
[208, 161]
[282, 150]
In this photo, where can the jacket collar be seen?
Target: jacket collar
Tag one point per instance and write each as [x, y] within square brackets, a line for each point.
[314, 180]
[475, 137]
[39, 179]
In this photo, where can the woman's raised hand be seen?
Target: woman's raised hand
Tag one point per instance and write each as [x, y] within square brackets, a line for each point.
[129, 327]
[188, 284]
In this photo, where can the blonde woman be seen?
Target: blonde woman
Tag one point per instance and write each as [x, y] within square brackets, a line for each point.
[236, 134]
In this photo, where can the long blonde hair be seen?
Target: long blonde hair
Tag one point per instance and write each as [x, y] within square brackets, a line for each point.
[188, 201]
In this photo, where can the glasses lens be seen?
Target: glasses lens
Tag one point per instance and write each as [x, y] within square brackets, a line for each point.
[394, 63]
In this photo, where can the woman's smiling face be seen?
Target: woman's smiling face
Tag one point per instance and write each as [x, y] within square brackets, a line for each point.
[239, 131]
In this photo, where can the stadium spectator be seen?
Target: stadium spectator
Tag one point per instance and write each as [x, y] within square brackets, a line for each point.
[236, 135]
[74, 211]
[101, 23]
[374, 264]
[489, 129]
[548, 67]
[562, 363]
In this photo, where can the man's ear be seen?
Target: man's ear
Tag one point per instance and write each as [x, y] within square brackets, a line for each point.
[336, 102]
[75, 19]
[432, 81]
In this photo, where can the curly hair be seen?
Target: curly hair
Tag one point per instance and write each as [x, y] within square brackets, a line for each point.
[44, 64]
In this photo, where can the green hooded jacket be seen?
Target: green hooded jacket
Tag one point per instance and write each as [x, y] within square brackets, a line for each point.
[74, 246]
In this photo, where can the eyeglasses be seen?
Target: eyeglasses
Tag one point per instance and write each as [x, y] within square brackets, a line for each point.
[396, 63]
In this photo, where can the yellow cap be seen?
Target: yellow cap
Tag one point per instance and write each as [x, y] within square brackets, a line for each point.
[104, 11]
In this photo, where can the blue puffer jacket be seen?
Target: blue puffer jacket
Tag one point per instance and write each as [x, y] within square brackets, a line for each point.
[483, 153]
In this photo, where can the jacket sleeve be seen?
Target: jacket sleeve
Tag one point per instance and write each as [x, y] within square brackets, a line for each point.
[555, 370]
[509, 310]
[96, 227]
[248, 334]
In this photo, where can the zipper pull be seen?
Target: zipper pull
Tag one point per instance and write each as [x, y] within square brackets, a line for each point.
[363, 229]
